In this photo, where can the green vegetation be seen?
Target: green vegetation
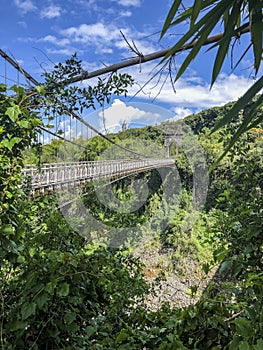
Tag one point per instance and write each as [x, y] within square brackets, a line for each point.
[202, 18]
[61, 291]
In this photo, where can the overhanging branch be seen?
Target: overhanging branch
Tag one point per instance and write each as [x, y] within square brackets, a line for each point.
[144, 58]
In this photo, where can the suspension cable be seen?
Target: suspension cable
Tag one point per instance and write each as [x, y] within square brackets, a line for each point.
[71, 114]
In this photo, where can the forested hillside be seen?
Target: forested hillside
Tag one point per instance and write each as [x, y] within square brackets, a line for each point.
[63, 290]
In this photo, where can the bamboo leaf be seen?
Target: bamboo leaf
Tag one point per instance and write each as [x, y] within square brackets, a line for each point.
[256, 28]
[182, 17]
[246, 125]
[225, 41]
[193, 52]
[210, 20]
[242, 56]
[252, 111]
[195, 11]
[236, 33]
[170, 16]
[188, 12]
[219, 60]
[256, 122]
[241, 103]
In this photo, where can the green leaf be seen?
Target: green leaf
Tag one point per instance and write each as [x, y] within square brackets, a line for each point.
[220, 254]
[195, 11]
[13, 112]
[24, 123]
[225, 266]
[256, 28]
[7, 229]
[239, 105]
[42, 299]
[243, 327]
[70, 317]
[244, 345]
[90, 330]
[17, 89]
[193, 53]
[16, 325]
[200, 31]
[10, 143]
[2, 88]
[225, 41]
[122, 336]
[259, 345]
[170, 16]
[51, 286]
[20, 259]
[27, 310]
[50, 126]
[234, 344]
[14, 140]
[63, 290]
[40, 89]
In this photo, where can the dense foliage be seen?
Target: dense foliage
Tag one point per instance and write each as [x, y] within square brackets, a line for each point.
[59, 291]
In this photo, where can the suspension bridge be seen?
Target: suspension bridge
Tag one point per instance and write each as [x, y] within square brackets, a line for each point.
[57, 176]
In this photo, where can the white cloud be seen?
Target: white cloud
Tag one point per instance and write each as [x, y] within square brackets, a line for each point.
[112, 118]
[126, 3]
[90, 33]
[226, 88]
[51, 11]
[102, 38]
[180, 113]
[66, 52]
[25, 6]
[22, 24]
[106, 38]
[191, 92]
[56, 41]
[126, 13]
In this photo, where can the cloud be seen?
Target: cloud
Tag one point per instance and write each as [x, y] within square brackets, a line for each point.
[54, 40]
[227, 88]
[25, 6]
[125, 13]
[107, 38]
[102, 38]
[22, 24]
[51, 11]
[118, 113]
[191, 91]
[127, 3]
[180, 113]
[90, 33]
[66, 52]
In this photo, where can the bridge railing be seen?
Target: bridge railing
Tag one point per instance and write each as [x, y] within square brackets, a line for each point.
[58, 175]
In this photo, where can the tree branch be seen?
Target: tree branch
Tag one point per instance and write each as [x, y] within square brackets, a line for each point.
[144, 58]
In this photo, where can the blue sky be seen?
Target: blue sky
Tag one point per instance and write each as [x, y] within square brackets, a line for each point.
[39, 32]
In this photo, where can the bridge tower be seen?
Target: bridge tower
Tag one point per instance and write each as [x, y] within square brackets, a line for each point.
[173, 134]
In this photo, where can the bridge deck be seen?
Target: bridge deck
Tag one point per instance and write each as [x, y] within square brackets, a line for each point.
[56, 176]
